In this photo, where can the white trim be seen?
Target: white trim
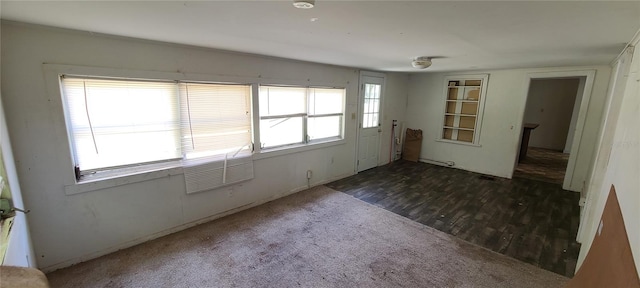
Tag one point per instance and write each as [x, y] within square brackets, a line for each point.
[174, 168]
[296, 148]
[582, 116]
[360, 109]
[458, 142]
[255, 118]
[53, 71]
[634, 40]
[480, 112]
[372, 74]
[118, 180]
[305, 116]
[619, 70]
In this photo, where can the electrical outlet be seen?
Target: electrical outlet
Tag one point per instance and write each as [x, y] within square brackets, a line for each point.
[308, 174]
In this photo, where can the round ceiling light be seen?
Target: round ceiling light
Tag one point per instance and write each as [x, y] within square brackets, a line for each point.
[421, 62]
[304, 4]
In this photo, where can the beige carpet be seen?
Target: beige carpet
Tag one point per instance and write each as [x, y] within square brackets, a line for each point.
[315, 238]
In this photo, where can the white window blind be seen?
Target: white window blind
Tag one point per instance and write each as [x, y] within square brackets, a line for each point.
[216, 119]
[118, 123]
[121, 122]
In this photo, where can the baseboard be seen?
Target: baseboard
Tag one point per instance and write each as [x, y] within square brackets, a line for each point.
[179, 228]
[438, 163]
[322, 182]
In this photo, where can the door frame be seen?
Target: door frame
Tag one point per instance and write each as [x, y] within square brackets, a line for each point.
[359, 109]
[620, 68]
[582, 117]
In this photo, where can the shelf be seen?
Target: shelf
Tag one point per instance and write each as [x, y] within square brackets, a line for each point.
[458, 128]
[459, 114]
[463, 109]
[462, 100]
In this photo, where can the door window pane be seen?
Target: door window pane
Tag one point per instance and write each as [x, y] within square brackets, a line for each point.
[371, 105]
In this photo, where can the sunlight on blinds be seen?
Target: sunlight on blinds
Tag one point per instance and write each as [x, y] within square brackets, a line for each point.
[216, 118]
[121, 122]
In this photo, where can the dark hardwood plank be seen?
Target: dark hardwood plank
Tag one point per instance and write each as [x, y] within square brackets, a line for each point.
[529, 220]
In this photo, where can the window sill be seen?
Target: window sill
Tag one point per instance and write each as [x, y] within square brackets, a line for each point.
[459, 142]
[117, 178]
[279, 151]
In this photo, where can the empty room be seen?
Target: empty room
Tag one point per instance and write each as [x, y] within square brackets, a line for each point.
[301, 143]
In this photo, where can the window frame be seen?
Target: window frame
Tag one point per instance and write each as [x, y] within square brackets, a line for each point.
[306, 141]
[484, 78]
[72, 140]
[89, 175]
[251, 115]
[115, 178]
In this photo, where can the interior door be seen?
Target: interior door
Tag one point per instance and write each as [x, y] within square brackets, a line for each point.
[369, 137]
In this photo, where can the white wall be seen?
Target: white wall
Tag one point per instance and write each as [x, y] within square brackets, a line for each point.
[67, 229]
[574, 115]
[19, 249]
[394, 108]
[550, 103]
[618, 160]
[504, 109]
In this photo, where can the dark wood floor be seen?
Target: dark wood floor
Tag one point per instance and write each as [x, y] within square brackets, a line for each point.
[543, 165]
[532, 221]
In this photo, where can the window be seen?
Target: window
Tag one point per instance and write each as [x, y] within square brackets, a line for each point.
[118, 123]
[295, 115]
[115, 123]
[464, 104]
[371, 107]
[326, 110]
[216, 119]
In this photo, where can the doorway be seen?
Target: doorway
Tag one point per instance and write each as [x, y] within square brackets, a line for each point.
[369, 128]
[553, 120]
[549, 113]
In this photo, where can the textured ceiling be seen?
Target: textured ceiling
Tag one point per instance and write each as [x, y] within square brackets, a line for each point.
[378, 35]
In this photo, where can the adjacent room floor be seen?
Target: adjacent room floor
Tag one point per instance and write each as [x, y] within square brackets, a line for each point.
[532, 221]
[543, 165]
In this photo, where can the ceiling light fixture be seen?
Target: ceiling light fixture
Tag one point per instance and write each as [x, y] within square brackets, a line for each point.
[421, 62]
[304, 4]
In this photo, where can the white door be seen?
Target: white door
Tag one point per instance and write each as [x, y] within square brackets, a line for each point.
[370, 129]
